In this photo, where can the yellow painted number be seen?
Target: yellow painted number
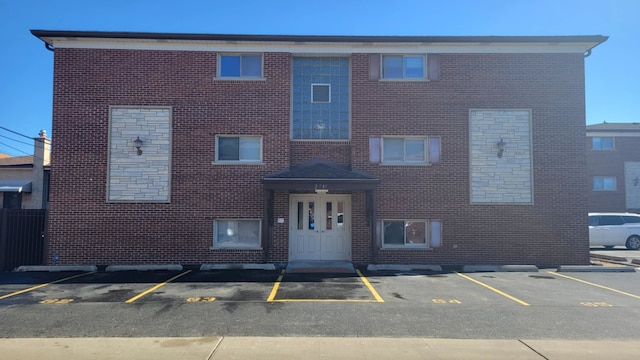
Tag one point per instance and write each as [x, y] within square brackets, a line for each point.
[201, 299]
[56, 301]
[595, 304]
[443, 301]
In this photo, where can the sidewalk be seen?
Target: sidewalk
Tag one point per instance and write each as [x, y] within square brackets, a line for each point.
[279, 348]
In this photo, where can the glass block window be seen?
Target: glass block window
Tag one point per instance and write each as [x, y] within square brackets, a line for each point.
[320, 98]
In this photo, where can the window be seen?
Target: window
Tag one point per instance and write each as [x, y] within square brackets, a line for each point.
[611, 220]
[411, 233]
[240, 65]
[239, 149]
[602, 143]
[631, 219]
[320, 93]
[237, 234]
[408, 67]
[404, 150]
[320, 98]
[604, 183]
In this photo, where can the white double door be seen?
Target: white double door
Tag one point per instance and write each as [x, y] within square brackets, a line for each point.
[320, 227]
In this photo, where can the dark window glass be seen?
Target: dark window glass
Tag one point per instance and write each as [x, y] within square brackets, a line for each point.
[594, 221]
[631, 219]
[394, 232]
[320, 93]
[228, 148]
[611, 220]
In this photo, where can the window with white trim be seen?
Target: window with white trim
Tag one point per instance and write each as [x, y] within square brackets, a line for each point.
[602, 143]
[234, 234]
[404, 67]
[411, 233]
[238, 149]
[604, 183]
[410, 150]
[240, 66]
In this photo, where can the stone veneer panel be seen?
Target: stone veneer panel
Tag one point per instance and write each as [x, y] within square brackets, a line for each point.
[505, 180]
[632, 186]
[145, 177]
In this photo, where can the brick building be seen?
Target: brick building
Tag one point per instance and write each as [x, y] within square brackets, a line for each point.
[206, 149]
[613, 167]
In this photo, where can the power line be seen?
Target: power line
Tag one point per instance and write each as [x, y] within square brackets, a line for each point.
[15, 132]
[18, 141]
[16, 149]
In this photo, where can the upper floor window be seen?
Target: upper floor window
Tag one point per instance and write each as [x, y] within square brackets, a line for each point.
[407, 67]
[602, 143]
[240, 66]
[320, 93]
[404, 150]
[239, 149]
[604, 183]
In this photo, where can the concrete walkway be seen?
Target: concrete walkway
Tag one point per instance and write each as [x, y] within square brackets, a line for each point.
[278, 348]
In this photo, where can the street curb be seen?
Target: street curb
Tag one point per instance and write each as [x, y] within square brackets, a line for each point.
[397, 267]
[499, 268]
[587, 268]
[205, 267]
[55, 268]
[169, 267]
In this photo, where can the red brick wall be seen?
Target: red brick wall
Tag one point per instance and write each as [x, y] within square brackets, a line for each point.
[610, 163]
[84, 229]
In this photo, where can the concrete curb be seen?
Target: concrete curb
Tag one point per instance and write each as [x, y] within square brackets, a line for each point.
[169, 267]
[54, 268]
[608, 257]
[205, 267]
[499, 268]
[397, 267]
[595, 268]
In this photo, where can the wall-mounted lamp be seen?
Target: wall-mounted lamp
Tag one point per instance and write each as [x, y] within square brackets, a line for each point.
[636, 181]
[138, 145]
[501, 145]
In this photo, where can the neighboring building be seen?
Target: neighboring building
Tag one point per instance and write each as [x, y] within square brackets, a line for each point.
[196, 148]
[613, 167]
[24, 180]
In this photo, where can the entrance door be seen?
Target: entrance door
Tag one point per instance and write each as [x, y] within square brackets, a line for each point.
[320, 227]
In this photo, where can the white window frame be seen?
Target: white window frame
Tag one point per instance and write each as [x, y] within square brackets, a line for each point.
[313, 92]
[613, 143]
[240, 77]
[383, 75]
[223, 245]
[239, 161]
[425, 141]
[427, 234]
[603, 178]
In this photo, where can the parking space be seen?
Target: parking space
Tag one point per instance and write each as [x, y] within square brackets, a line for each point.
[535, 289]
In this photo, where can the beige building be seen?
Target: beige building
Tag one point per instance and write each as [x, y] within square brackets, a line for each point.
[24, 180]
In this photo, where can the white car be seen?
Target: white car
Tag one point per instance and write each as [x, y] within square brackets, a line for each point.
[614, 229]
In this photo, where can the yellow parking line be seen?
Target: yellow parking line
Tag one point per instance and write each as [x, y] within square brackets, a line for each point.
[155, 287]
[493, 289]
[596, 285]
[43, 285]
[369, 286]
[272, 295]
[325, 300]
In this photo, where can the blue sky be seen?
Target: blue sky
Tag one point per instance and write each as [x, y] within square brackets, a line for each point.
[612, 71]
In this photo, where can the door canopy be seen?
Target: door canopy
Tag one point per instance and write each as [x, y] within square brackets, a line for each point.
[320, 174]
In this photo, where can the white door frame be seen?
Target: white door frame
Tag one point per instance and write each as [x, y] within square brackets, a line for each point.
[320, 227]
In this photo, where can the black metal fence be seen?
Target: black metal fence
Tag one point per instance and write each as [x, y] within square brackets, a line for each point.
[22, 237]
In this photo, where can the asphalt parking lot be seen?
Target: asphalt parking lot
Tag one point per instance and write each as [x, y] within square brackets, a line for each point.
[544, 304]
